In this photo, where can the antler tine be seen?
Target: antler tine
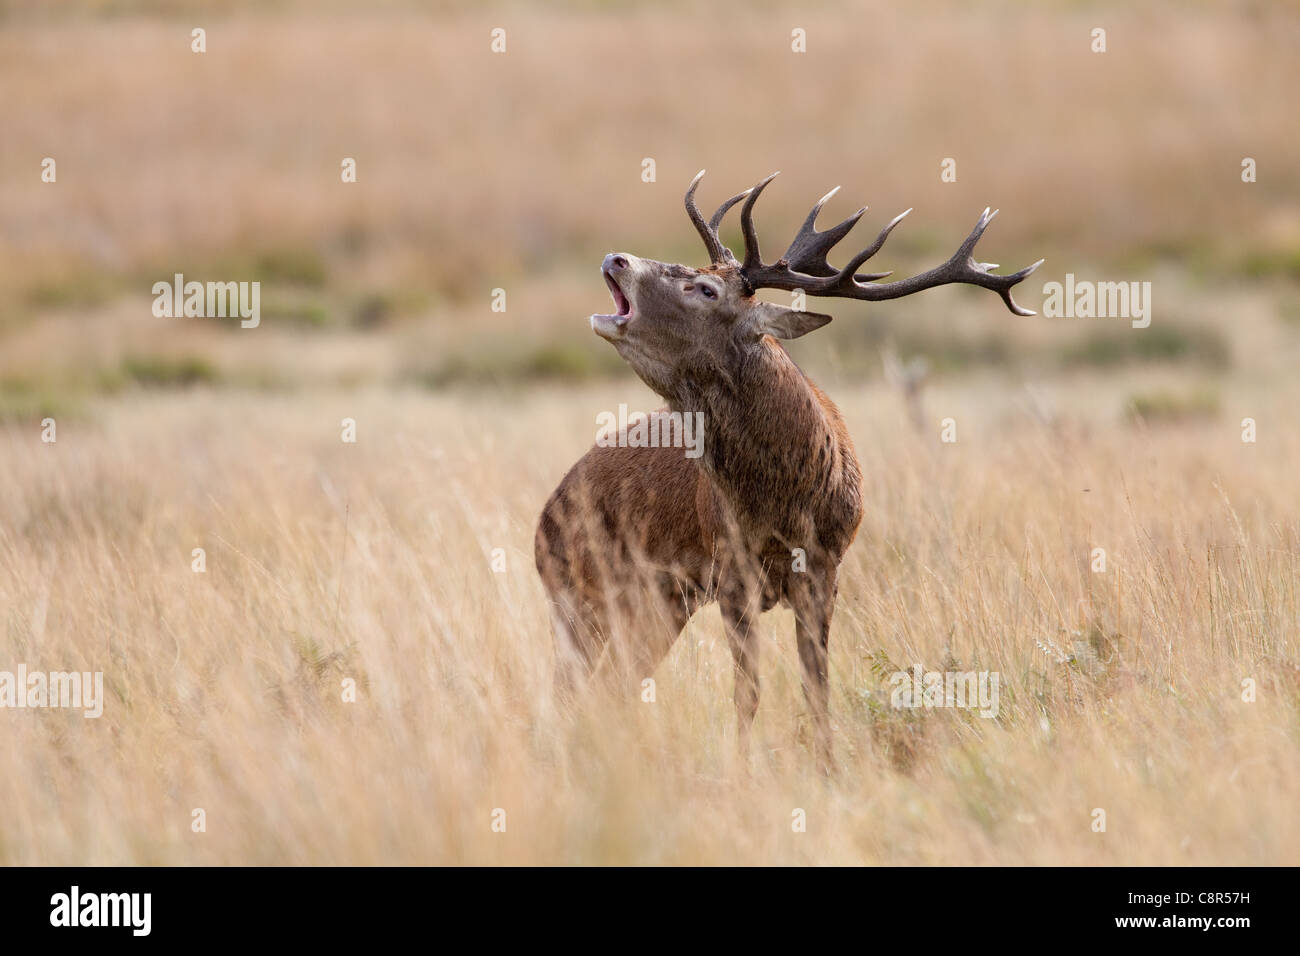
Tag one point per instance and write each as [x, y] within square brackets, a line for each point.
[852, 268]
[718, 253]
[807, 253]
[804, 264]
[961, 268]
[722, 210]
[753, 259]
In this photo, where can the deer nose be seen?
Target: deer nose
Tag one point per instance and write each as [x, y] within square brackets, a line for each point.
[615, 262]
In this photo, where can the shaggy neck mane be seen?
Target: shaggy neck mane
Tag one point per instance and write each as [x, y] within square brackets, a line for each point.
[769, 445]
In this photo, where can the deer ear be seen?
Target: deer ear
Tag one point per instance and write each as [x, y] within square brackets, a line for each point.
[783, 322]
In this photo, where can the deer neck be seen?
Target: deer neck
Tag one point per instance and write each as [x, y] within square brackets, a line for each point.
[770, 445]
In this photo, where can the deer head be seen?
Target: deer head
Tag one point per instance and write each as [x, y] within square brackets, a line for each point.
[672, 322]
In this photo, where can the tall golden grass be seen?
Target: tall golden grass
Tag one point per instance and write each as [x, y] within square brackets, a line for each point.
[371, 562]
[326, 561]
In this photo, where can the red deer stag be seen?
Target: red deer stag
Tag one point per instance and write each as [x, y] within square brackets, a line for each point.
[767, 511]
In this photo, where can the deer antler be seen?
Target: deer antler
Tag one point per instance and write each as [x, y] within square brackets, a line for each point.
[804, 265]
[718, 253]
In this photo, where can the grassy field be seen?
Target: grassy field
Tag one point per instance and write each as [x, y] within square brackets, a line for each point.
[371, 562]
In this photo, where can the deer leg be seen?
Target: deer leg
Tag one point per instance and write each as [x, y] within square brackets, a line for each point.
[579, 641]
[649, 629]
[639, 631]
[740, 610]
[813, 600]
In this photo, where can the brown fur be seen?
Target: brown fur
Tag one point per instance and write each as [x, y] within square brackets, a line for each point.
[778, 473]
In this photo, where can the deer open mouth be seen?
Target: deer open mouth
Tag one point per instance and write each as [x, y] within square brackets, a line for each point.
[621, 303]
[613, 325]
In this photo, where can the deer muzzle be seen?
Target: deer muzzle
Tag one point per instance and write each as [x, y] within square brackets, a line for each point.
[616, 270]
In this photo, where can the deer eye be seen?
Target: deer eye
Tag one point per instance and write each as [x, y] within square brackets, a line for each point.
[707, 292]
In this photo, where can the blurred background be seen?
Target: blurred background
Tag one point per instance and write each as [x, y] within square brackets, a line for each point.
[520, 170]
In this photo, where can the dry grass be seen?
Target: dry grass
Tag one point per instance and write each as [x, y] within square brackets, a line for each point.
[329, 561]
[371, 561]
